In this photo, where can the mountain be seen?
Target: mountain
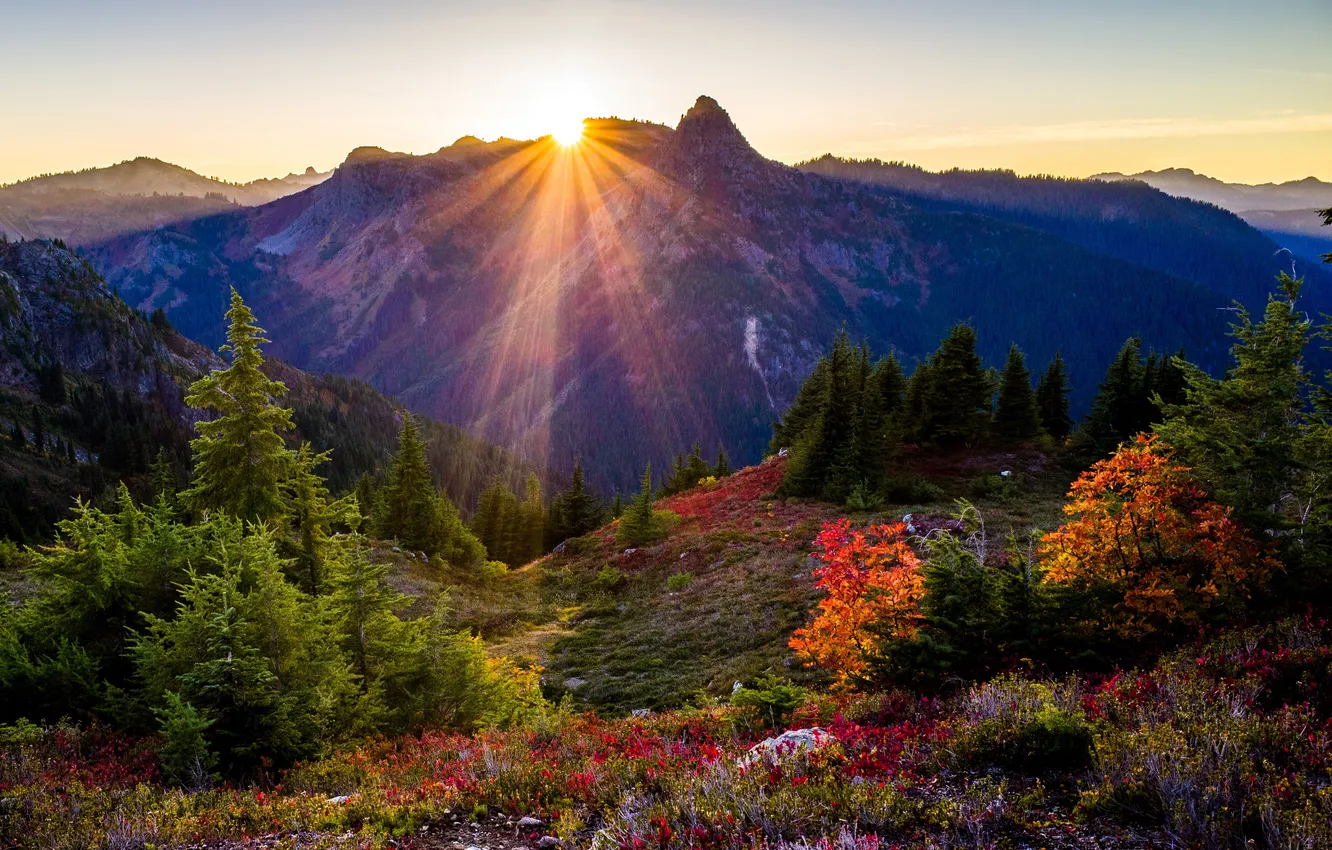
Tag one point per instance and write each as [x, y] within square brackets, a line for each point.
[140, 194]
[90, 390]
[656, 286]
[1302, 232]
[1286, 212]
[1236, 197]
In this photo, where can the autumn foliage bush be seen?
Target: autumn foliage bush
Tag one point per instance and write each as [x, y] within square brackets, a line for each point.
[874, 586]
[1146, 543]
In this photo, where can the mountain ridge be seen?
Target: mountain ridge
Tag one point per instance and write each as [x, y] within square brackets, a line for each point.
[554, 300]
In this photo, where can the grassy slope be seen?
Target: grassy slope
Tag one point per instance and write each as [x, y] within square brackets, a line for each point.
[609, 630]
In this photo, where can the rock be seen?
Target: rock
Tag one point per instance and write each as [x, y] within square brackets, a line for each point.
[341, 798]
[781, 453]
[573, 682]
[793, 742]
[684, 555]
[737, 686]
[474, 847]
[629, 551]
[558, 550]
[529, 822]
[396, 549]
[641, 712]
[548, 841]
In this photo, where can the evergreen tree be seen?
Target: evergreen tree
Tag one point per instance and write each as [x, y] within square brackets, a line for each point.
[1017, 418]
[1052, 400]
[240, 458]
[165, 481]
[497, 522]
[805, 408]
[817, 464]
[637, 526]
[1241, 434]
[696, 468]
[408, 509]
[574, 512]
[532, 520]
[617, 505]
[722, 467]
[955, 392]
[1116, 411]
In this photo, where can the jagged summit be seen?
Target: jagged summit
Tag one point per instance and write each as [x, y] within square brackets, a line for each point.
[707, 145]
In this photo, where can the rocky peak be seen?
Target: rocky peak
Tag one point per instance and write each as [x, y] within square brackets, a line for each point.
[707, 146]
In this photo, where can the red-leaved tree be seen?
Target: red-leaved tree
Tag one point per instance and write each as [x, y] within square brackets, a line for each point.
[873, 579]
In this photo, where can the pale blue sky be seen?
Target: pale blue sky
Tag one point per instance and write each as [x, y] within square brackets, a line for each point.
[246, 89]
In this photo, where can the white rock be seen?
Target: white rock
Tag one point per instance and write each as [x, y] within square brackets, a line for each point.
[548, 841]
[528, 822]
[341, 798]
[792, 742]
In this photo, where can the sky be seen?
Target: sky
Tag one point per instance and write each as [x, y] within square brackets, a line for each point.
[244, 89]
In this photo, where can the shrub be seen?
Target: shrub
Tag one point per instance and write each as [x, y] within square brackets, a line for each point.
[678, 582]
[911, 490]
[1028, 726]
[491, 571]
[991, 486]
[609, 578]
[184, 754]
[770, 701]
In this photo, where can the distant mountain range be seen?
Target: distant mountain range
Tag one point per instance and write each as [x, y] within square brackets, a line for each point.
[139, 194]
[656, 286]
[1288, 212]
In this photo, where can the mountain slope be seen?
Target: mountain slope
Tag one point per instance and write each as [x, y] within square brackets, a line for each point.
[653, 287]
[136, 195]
[90, 390]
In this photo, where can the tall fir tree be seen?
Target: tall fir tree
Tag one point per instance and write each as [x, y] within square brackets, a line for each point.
[722, 467]
[955, 392]
[240, 457]
[637, 526]
[1052, 400]
[1241, 434]
[575, 511]
[1017, 417]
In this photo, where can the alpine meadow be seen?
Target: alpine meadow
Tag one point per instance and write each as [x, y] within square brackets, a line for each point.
[944, 460]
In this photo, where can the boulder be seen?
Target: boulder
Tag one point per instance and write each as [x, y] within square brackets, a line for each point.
[791, 743]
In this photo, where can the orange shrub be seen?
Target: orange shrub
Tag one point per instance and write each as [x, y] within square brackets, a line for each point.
[1147, 537]
[872, 578]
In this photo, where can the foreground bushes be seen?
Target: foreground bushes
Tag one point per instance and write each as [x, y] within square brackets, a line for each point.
[1211, 748]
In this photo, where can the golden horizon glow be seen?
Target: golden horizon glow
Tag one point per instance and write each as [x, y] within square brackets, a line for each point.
[569, 134]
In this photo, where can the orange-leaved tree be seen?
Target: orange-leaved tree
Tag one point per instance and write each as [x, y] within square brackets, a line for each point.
[874, 586]
[1147, 541]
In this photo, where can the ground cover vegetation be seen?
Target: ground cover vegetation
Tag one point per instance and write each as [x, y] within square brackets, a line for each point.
[1140, 657]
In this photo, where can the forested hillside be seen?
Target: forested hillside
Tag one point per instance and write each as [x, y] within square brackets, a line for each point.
[92, 392]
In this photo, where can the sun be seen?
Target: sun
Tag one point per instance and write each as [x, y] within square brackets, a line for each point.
[568, 133]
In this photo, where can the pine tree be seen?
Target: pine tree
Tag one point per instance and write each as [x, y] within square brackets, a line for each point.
[722, 467]
[696, 468]
[636, 524]
[240, 458]
[532, 525]
[1115, 413]
[1017, 418]
[574, 512]
[165, 482]
[813, 468]
[617, 505]
[804, 409]
[1052, 399]
[313, 515]
[406, 511]
[1241, 435]
[955, 392]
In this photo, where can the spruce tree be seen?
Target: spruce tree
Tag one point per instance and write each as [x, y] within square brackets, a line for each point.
[804, 409]
[532, 520]
[696, 468]
[1241, 435]
[574, 512]
[406, 511]
[636, 524]
[955, 392]
[1115, 415]
[240, 457]
[722, 467]
[1017, 418]
[1052, 400]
